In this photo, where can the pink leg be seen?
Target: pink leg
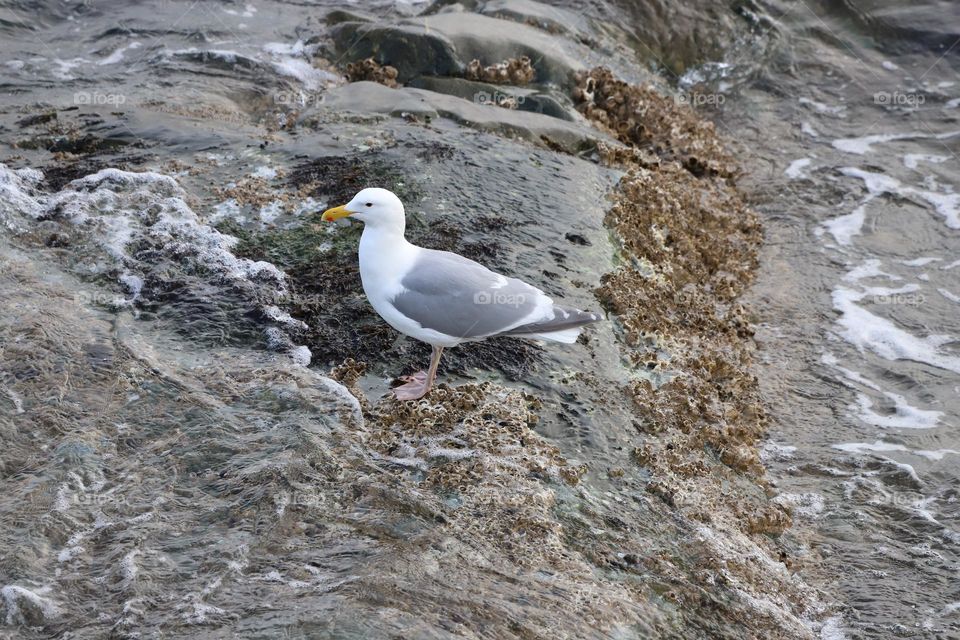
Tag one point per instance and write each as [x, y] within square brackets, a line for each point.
[419, 383]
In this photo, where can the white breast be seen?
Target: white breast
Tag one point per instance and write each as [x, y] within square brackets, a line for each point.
[384, 260]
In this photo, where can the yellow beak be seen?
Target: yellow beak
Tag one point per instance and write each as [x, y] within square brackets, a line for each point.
[335, 214]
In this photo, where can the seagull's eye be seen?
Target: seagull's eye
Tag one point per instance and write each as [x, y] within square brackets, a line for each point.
[369, 204]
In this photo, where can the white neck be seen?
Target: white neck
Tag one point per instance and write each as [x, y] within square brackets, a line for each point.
[384, 256]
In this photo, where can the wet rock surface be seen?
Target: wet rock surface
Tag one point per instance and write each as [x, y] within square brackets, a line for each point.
[201, 436]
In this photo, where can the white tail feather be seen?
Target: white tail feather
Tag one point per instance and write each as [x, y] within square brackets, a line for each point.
[568, 336]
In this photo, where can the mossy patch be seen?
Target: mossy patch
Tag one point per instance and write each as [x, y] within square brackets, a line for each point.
[336, 179]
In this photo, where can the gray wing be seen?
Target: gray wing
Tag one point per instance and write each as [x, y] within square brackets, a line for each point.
[461, 298]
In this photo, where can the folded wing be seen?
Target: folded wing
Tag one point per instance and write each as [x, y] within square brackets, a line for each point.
[460, 298]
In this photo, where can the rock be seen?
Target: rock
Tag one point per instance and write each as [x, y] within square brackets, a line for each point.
[442, 45]
[372, 97]
[491, 40]
[412, 49]
[338, 16]
[551, 19]
[482, 92]
[534, 127]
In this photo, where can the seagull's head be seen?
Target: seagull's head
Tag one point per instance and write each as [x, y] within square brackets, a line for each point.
[374, 207]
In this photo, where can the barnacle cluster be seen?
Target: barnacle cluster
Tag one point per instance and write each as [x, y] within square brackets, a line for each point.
[640, 116]
[690, 245]
[370, 69]
[510, 71]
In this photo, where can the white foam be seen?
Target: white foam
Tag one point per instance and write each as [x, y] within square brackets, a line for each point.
[869, 269]
[773, 451]
[865, 144]
[820, 107]
[946, 204]
[285, 49]
[133, 284]
[278, 315]
[869, 332]
[69, 553]
[248, 12]
[265, 172]
[808, 129]
[796, 168]
[121, 177]
[293, 60]
[913, 160]
[16, 195]
[866, 447]
[15, 597]
[341, 392]
[117, 55]
[311, 77]
[848, 374]
[906, 468]
[831, 629]
[301, 355]
[307, 206]
[937, 454]
[876, 183]
[230, 57]
[116, 209]
[952, 297]
[919, 262]
[198, 612]
[271, 211]
[844, 228]
[63, 68]
[807, 505]
[128, 566]
[920, 506]
[226, 210]
[905, 415]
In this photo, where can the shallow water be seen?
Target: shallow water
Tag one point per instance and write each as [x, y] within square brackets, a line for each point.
[172, 467]
[857, 301]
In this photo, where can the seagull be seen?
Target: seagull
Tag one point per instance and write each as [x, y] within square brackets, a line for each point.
[442, 298]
